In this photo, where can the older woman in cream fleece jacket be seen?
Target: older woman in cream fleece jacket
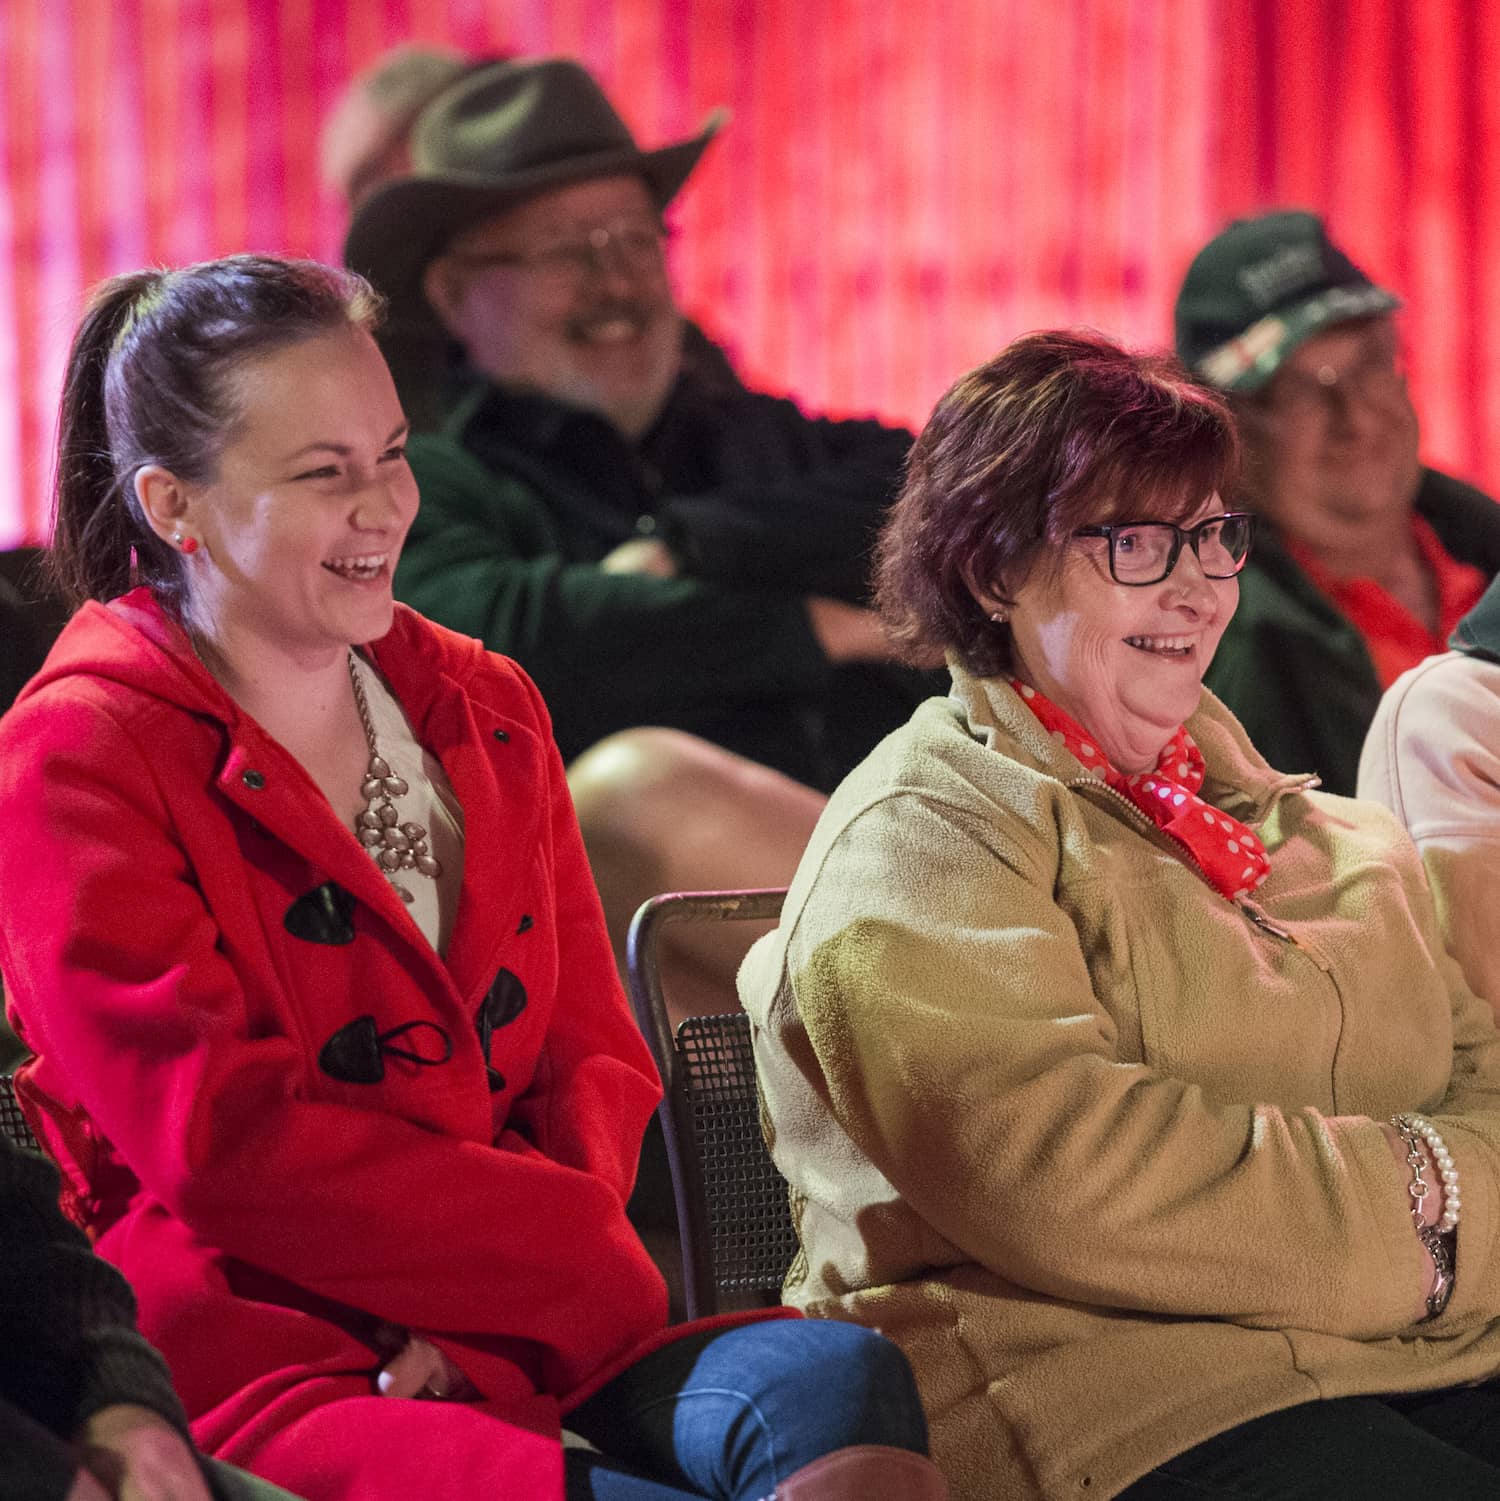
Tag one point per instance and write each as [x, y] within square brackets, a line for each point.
[1120, 1078]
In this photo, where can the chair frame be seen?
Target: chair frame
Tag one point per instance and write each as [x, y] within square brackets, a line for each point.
[684, 1157]
[13, 1124]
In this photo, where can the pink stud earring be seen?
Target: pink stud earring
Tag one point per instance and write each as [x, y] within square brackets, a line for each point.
[185, 545]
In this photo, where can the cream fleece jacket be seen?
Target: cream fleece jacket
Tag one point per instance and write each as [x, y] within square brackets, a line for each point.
[1100, 1150]
[1433, 758]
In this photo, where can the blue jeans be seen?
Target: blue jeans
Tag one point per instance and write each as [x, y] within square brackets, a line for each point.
[729, 1414]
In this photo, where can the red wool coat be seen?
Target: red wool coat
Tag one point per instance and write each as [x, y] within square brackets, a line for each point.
[217, 979]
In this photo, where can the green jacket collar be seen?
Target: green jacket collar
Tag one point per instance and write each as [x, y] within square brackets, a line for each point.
[1478, 633]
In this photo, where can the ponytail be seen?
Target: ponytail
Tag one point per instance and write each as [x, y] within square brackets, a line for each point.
[95, 524]
[150, 381]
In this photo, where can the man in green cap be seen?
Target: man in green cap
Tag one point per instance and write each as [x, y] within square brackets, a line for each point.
[1364, 559]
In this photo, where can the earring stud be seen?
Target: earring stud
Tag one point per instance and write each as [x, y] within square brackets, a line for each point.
[999, 616]
[185, 545]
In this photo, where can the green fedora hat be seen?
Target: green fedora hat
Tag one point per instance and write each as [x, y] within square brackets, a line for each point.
[500, 135]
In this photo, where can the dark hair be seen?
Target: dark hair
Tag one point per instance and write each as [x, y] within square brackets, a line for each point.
[1061, 430]
[149, 381]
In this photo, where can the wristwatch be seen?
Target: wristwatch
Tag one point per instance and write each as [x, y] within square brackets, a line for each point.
[1440, 1246]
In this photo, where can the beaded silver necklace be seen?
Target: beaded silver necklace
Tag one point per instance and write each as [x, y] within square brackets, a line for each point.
[395, 846]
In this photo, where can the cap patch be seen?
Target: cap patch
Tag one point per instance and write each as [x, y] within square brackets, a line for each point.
[1283, 271]
[1249, 360]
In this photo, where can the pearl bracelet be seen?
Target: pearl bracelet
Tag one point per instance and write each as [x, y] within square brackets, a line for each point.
[1411, 1128]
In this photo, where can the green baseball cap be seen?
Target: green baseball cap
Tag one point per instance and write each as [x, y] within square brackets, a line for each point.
[1258, 289]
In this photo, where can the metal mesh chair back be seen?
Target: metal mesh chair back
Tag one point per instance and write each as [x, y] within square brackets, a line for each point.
[749, 1221]
[733, 1218]
[12, 1123]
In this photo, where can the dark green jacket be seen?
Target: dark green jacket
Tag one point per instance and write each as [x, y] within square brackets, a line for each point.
[521, 498]
[1478, 633]
[1292, 666]
[70, 1345]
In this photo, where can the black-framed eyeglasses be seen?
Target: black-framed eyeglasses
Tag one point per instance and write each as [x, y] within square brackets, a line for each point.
[639, 245]
[1146, 552]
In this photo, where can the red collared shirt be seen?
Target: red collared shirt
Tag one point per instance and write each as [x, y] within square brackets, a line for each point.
[1397, 639]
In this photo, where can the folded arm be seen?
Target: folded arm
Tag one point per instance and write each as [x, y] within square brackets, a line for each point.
[967, 1054]
[607, 650]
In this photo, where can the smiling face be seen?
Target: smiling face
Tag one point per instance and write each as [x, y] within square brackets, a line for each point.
[302, 526]
[535, 308]
[1334, 440]
[1126, 662]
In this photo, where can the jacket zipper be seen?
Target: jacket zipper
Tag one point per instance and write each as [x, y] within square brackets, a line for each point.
[1258, 916]
[1255, 914]
[1138, 818]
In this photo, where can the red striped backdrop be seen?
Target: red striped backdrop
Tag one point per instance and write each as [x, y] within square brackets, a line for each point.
[906, 185]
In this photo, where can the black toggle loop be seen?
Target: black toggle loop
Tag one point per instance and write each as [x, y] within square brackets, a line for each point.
[355, 1054]
[387, 1044]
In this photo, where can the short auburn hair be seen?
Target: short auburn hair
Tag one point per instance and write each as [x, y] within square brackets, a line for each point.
[1060, 430]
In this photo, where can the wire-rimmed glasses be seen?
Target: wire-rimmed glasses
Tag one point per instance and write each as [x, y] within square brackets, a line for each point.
[639, 245]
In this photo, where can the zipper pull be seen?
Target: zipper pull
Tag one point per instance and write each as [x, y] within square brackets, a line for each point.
[1259, 918]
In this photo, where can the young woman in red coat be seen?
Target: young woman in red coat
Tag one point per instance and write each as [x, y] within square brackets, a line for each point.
[295, 915]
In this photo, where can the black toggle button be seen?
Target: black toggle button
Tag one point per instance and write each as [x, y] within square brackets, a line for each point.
[504, 1003]
[323, 915]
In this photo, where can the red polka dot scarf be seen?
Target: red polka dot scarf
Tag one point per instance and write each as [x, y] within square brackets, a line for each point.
[1229, 857]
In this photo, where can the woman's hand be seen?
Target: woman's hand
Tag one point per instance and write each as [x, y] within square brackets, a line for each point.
[135, 1454]
[420, 1369]
[648, 555]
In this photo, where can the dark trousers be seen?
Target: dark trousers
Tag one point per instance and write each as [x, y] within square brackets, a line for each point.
[729, 1415]
[1444, 1443]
